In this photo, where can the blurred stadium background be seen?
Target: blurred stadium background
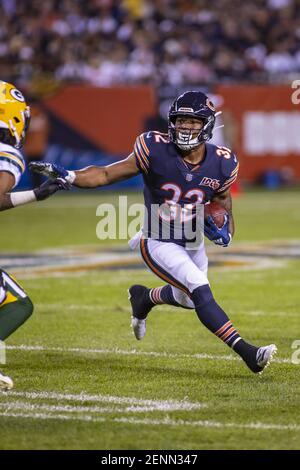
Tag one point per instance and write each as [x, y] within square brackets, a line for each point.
[97, 73]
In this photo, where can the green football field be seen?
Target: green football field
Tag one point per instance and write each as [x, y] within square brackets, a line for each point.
[82, 381]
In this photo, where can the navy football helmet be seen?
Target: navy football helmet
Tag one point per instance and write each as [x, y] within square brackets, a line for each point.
[197, 105]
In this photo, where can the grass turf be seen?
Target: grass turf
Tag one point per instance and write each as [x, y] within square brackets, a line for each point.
[90, 311]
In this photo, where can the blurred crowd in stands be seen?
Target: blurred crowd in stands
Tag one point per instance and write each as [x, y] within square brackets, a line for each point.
[161, 42]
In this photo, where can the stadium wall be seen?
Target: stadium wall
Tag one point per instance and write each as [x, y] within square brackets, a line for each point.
[86, 125]
[263, 125]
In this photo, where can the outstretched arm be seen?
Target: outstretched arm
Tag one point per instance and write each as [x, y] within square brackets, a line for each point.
[9, 200]
[94, 176]
[7, 181]
[91, 176]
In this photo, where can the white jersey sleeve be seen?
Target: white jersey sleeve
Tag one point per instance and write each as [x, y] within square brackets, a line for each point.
[12, 161]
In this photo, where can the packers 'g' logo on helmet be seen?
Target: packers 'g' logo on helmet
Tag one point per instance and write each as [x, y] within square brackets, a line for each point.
[14, 113]
[17, 95]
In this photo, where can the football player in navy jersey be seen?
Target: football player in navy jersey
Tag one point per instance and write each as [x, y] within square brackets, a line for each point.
[181, 172]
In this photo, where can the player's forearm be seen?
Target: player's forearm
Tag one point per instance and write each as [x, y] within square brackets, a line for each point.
[5, 202]
[94, 176]
[11, 200]
[90, 177]
[231, 224]
[226, 201]
[48, 188]
[227, 204]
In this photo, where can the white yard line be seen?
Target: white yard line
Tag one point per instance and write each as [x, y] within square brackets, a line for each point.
[59, 417]
[167, 407]
[211, 424]
[24, 406]
[157, 422]
[135, 403]
[134, 352]
[261, 313]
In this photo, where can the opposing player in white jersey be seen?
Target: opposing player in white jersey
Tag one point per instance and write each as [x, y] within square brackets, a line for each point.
[181, 172]
[15, 305]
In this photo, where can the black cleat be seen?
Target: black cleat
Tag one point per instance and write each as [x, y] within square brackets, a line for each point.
[263, 357]
[141, 305]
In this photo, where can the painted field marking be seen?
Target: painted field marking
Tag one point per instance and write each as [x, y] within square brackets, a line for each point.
[157, 422]
[135, 403]
[134, 352]
[168, 407]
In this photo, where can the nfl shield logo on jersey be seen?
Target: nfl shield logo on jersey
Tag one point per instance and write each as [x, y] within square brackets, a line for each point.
[189, 177]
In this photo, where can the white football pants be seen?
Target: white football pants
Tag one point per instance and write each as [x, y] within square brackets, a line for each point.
[184, 270]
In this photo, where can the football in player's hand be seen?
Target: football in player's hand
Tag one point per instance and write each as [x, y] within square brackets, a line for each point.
[217, 212]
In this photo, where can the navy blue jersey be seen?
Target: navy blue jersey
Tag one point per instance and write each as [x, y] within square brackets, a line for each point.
[173, 188]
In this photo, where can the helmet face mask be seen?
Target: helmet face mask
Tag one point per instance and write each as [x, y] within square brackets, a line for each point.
[14, 115]
[196, 106]
[187, 132]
